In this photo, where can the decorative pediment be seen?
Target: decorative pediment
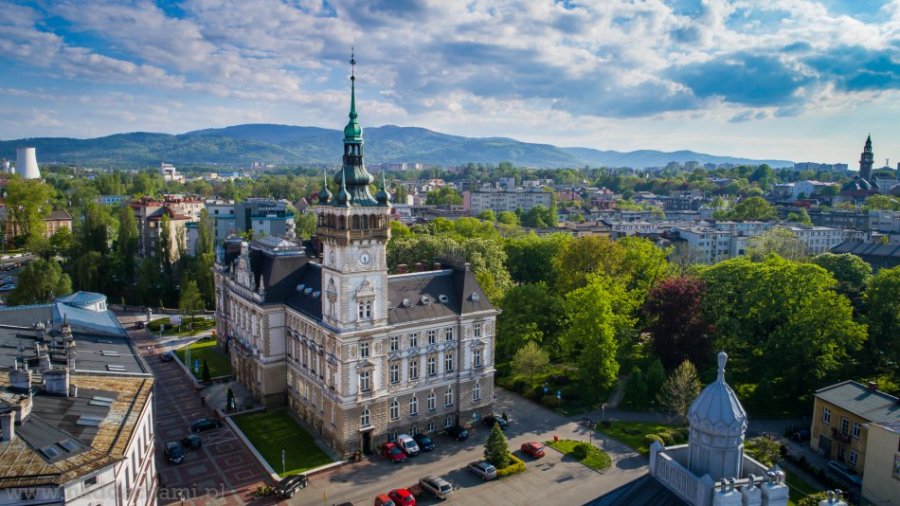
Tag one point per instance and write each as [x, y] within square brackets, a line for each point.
[366, 290]
[365, 364]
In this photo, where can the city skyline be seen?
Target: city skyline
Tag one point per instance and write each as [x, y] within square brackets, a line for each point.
[799, 80]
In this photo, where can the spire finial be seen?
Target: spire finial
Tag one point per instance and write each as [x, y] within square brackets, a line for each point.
[352, 64]
[723, 358]
[352, 86]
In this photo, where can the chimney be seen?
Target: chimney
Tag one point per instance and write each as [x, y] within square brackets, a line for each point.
[402, 269]
[419, 267]
[20, 379]
[8, 420]
[56, 381]
[873, 387]
[437, 266]
[44, 361]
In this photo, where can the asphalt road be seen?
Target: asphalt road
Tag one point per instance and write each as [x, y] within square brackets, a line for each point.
[553, 479]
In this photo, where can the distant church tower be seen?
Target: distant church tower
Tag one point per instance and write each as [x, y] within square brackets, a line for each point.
[866, 160]
[354, 228]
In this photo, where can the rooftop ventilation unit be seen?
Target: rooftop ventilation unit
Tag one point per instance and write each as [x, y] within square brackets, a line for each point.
[443, 299]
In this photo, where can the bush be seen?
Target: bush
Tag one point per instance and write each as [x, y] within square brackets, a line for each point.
[560, 379]
[570, 392]
[667, 438]
[677, 437]
[581, 451]
[516, 466]
[650, 438]
[550, 401]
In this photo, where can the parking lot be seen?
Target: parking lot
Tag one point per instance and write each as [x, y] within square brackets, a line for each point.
[553, 479]
[222, 471]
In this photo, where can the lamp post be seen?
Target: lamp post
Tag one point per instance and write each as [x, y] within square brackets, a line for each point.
[282, 462]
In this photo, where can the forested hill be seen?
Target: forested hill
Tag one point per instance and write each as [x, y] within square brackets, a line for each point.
[297, 145]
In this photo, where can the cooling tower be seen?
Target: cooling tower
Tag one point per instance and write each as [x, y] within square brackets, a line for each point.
[5, 166]
[26, 163]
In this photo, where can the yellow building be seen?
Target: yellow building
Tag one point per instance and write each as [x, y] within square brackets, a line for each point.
[840, 414]
[882, 482]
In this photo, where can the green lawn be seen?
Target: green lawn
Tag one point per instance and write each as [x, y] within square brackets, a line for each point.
[632, 433]
[205, 349]
[597, 459]
[272, 431]
[799, 487]
[200, 325]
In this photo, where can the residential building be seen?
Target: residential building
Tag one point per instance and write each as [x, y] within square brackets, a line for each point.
[264, 217]
[841, 413]
[881, 484]
[112, 200]
[169, 173]
[498, 200]
[356, 354]
[148, 213]
[76, 432]
[58, 220]
[887, 222]
[857, 220]
[818, 239]
[222, 213]
[712, 468]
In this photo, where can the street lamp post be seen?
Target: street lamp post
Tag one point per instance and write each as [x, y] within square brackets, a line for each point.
[282, 462]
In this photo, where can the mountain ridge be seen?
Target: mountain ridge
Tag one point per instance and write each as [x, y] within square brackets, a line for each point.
[304, 145]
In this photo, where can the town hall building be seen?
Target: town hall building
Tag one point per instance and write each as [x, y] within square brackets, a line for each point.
[358, 354]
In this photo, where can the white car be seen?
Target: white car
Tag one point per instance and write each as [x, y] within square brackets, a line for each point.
[438, 486]
[408, 444]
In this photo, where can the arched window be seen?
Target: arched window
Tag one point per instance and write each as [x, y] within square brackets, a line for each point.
[395, 409]
[414, 405]
[364, 418]
[431, 401]
[448, 397]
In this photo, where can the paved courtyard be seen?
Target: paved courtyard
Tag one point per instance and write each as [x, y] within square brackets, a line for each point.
[552, 480]
[223, 471]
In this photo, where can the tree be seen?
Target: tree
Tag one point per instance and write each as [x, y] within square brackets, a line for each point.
[400, 194]
[586, 255]
[528, 256]
[41, 281]
[882, 351]
[530, 360]
[800, 216]
[777, 240]
[600, 318]
[635, 390]
[644, 263]
[655, 378]
[851, 272]
[61, 242]
[28, 202]
[306, 225]
[882, 203]
[487, 215]
[529, 312]
[443, 196]
[784, 325]
[753, 208]
[508, 218]
[680, 390]
[675, 320]
[540, 217]
[191, 301]
[496, 449]
[400, 231]
[126, 248]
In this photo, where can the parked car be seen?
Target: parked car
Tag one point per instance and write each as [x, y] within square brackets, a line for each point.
[843, 473]
[490, 420]
[174, 452]
[383, 500]
[801, 435]
[166, 356]
[408, 445]
[533, 449]
[425, 442]
[192, 441]
[441, 488]
[458, 433]
[204, 424]
[402, 497]
[483, 469]
[140, 325]
[289, 485]
[8, 288]
[393, 452]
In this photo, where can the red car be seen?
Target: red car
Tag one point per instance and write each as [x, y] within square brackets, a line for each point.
[533, 449]
[402, 497]
[393, 452]
[384, 500]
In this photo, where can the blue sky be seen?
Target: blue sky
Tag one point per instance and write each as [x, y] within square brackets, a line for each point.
[795, 79]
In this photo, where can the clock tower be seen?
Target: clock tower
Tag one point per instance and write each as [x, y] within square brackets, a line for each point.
[354, 228]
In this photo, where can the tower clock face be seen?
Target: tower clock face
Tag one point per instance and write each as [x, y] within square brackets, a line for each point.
[364, 258]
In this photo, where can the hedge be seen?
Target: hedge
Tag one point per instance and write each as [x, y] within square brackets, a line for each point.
[517, 466]
[650, 438]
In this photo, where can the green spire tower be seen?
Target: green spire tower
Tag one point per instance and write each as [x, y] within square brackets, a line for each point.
[353, 171]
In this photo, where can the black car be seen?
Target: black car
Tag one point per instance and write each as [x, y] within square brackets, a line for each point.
[458, 433]
[167, 357]
[490, 420]
[192, 441]
[140, 325]
[424, 442]
[174, 452]
[288, 486]
[205, 424]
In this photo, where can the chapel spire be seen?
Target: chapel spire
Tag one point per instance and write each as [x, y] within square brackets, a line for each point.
[353, 173]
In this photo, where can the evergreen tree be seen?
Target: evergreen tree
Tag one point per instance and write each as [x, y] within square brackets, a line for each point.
[635, 390]
[496, 450]
[655, 377]
[680, 390]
